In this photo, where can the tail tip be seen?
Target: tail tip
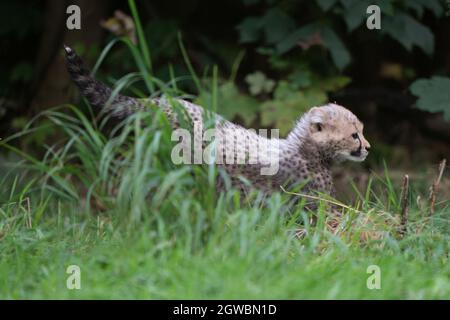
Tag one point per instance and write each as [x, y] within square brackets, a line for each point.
[67, 49]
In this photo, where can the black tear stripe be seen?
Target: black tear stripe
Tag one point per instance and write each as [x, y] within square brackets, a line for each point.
[357, 153]
[96, 92]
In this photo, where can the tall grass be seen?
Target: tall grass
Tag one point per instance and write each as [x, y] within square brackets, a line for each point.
[127, 174]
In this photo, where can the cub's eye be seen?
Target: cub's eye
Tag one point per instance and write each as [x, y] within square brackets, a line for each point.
[355, 135]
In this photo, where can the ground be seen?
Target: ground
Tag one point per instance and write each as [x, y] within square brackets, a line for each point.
[232, 264]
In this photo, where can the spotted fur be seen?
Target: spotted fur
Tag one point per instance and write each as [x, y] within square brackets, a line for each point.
[322, 136]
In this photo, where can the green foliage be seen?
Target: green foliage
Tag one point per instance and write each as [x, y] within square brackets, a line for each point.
[288, 98]
[232, 103]
[434, 95]
[291, 40]
[287, 104]
[161, 36]
[339, 53]
[272, 26]
[419, 6]
[259, 83]
[397, 20]
[284, 41]
[325, 5]
[297, 49]
[281, 32]
[292, 98]
[354, 12]
[40, 135]
[325, 35]
[409, 32]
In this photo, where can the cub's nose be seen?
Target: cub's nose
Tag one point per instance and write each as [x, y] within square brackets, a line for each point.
[367, 148]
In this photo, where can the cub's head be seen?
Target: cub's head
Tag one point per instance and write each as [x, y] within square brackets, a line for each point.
[336, 132]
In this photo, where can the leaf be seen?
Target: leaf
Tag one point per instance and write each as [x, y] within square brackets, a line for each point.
[259, 83]
[409, 32]
[434, 95]
[277, 24]
[301, 78]
[355, 14]
[334, 83]
[325, 5]
[416, 6]
[284, 90]
[386, 6]
[347, 3]
[250, 29]
[421, 35]
[339, 53]
[433, 5]
[312, 40]
[288, 104]
[315, 97]
[290, 41]
[232, 103]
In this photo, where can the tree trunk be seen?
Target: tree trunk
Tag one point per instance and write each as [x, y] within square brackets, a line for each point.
[52, 84]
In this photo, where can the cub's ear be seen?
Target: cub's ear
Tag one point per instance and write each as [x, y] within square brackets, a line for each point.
[317, 119]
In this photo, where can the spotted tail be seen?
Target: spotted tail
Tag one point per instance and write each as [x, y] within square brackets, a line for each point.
[97, 93]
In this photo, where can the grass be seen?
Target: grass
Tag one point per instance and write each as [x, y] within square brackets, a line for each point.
[137, 266]
[138, 226]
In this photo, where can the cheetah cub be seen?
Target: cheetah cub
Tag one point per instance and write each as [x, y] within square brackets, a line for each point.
[324, 135]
